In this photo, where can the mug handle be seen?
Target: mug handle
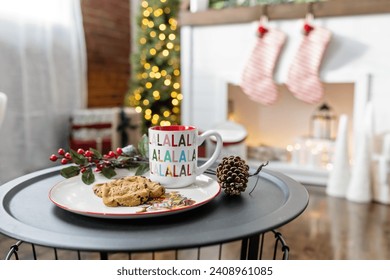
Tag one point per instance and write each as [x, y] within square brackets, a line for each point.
[214, 157]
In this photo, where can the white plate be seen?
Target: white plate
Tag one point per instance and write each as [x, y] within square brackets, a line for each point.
[75, 196]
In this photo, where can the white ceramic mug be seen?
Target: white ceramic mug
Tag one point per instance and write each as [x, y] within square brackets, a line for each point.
[173, 154]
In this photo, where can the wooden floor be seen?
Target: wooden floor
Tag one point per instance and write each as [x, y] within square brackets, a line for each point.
[336, 229]
[330, 228]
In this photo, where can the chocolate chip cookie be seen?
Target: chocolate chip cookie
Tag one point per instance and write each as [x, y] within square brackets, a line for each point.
[128, 191]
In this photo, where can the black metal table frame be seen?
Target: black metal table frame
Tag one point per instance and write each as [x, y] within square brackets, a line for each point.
[252, 248]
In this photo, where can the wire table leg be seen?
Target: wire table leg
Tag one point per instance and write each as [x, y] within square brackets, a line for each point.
[252, 247]
[103, 255]
[285, 248]
[14, 251]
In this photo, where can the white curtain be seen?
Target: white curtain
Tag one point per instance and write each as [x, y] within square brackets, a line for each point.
[43, 74]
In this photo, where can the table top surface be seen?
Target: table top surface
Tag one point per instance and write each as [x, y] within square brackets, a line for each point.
[26, 213]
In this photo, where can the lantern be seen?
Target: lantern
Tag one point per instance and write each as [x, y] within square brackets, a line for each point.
[323, 122]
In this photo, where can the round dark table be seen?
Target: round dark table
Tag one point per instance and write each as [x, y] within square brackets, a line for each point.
[27, 214]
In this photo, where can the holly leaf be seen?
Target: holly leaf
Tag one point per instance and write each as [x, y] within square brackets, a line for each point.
[143, 146]
[70, 171]
[96, 152]
[77, 158]
[125, 162]
[108, 172]
[142, 169]
[88, 177]
[129, 151]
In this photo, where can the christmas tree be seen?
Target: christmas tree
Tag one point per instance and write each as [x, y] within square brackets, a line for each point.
[155, 85]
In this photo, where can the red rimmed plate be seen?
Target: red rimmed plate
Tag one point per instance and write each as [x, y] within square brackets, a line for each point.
[74, 196]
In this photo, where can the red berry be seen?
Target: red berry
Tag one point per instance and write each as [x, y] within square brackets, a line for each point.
[61, 152]
[64, 161]
[82, 170]
[88, 153]
[97, 169]
[80, 151]
[119, 151]
[68, 156]
[53, 157]
[111, 154]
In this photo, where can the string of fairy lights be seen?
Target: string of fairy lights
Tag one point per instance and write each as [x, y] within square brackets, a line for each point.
[156, 92]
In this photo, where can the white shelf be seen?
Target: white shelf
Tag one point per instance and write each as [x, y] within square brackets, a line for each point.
[303, 174]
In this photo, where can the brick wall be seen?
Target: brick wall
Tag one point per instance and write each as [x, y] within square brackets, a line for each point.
[107, 34]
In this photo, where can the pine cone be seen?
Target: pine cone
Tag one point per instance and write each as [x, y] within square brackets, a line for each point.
[232, 175]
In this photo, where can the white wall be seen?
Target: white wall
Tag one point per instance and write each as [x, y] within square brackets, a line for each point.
[214, 55]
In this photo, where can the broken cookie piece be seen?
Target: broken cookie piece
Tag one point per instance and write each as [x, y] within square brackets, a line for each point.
[128, 191]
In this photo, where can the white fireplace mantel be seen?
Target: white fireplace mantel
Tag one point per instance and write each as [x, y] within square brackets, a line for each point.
[213, 56]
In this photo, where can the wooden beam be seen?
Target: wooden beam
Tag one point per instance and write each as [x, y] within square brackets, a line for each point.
[284, 11]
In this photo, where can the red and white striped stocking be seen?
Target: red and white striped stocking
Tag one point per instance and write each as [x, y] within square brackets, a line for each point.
[303, 77]
[257, 78]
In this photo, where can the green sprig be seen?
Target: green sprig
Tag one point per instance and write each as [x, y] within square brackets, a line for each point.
[92, 161]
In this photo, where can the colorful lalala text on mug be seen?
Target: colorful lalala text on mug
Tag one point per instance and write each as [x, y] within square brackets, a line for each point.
[173, 154]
